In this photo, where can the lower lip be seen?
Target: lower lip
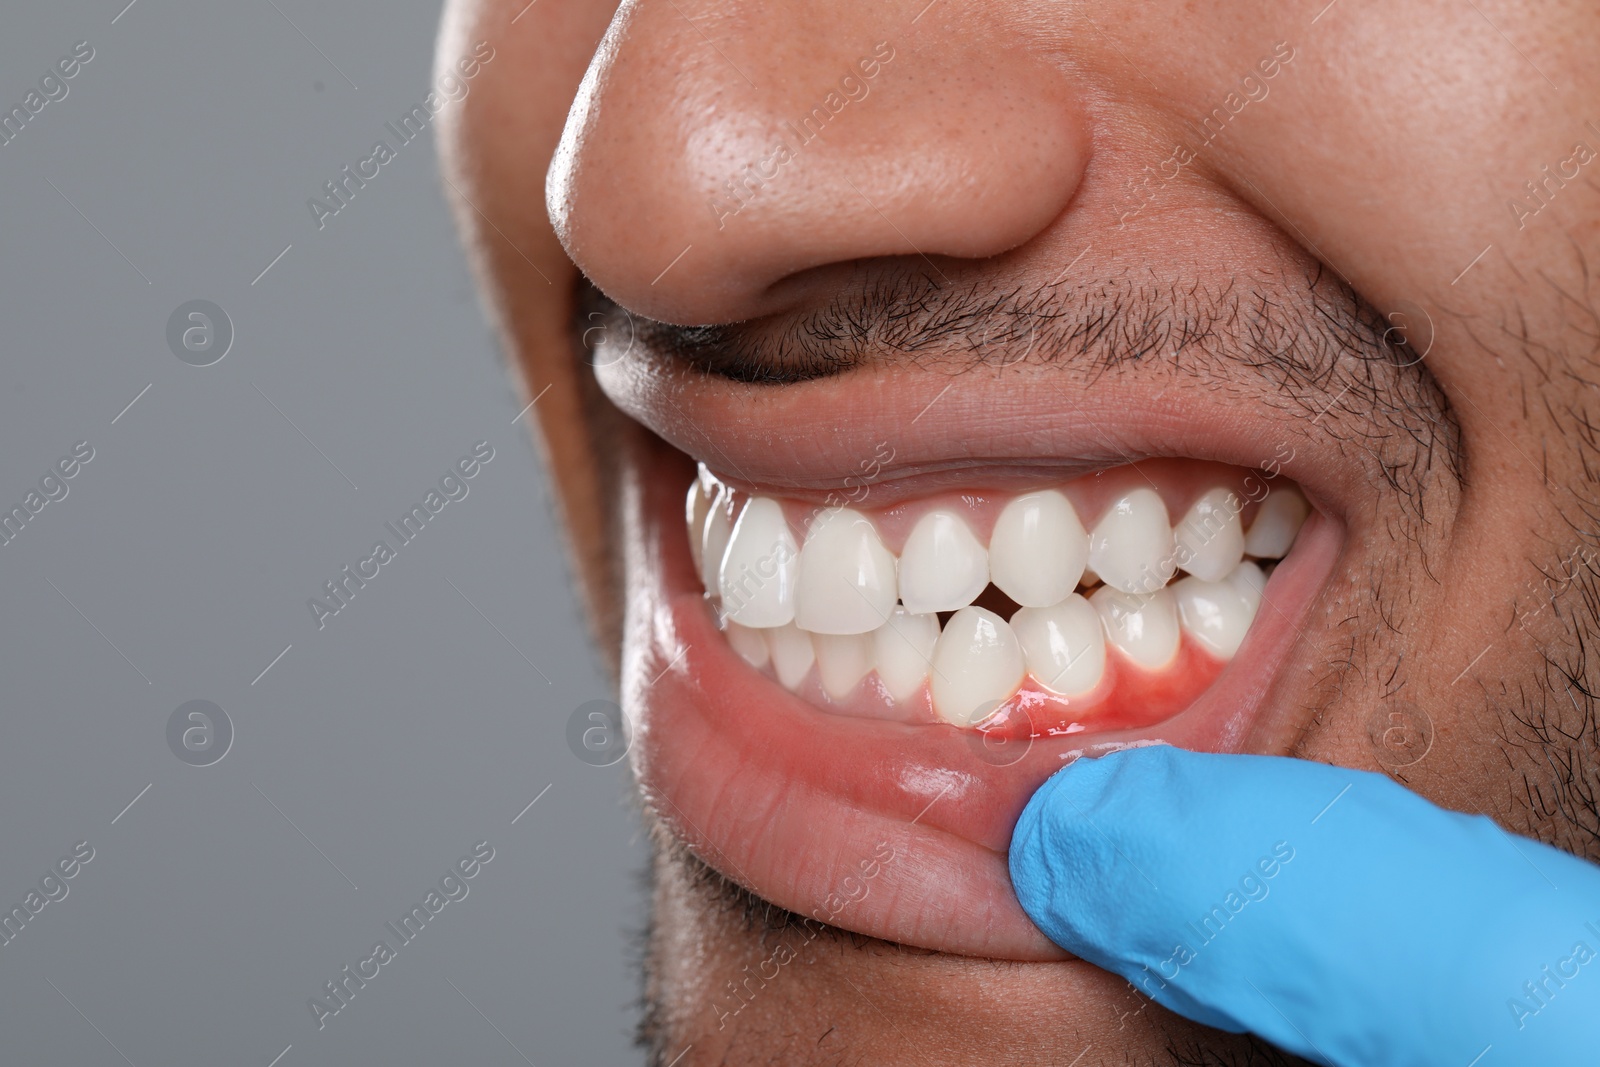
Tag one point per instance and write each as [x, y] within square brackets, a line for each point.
[892, 830]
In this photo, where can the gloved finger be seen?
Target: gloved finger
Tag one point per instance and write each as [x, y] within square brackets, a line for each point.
[1330, 911]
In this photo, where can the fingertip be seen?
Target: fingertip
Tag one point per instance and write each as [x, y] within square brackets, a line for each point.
[1035, 878]
[1040, 843]
[1089, 784]
[1056, 847]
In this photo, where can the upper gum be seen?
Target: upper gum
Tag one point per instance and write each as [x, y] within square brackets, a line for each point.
[1179, 482]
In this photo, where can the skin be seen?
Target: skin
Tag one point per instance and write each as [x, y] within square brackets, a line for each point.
[1367, 199]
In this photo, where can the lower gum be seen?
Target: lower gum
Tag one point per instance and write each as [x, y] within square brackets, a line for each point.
[1132, 698]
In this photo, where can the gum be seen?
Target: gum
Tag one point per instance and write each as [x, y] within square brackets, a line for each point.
[1127, 698]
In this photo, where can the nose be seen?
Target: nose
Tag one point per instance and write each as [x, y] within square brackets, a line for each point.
[719, 149]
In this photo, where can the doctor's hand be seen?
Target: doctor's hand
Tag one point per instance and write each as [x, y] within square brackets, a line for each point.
[1329, 911]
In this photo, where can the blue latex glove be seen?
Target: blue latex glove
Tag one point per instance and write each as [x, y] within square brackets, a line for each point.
[1329, 911]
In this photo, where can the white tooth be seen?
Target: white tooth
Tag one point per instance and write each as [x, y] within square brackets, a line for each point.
[1142, 628]
[1277, 522]
[757, 577]
[792, 654]
[977, 665]
[1064, 645]
[847, 579]
[1217, 614]
[943, 566]
[695, 509]
[842, 661]
[1131, 547]
[903, 648]
[1249, 580]
[749, 644]
[719, 527]
[1038, 549]
[1210, 536]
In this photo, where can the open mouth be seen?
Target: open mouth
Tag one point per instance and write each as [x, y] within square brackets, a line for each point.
[880, 586]
[1108, 602]
[844, 704]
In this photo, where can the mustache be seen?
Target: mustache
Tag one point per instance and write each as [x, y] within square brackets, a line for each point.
[905, 314]
[1304, 342]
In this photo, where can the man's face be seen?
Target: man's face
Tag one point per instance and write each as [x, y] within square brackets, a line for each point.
[983, 273]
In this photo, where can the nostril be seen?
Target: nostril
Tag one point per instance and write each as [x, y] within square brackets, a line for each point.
[703, 163]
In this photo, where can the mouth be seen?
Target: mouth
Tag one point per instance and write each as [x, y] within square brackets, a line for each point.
[844, 704]
[875, 599]
[1109, 602]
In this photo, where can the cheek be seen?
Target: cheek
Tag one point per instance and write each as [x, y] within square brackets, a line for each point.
[496, 147]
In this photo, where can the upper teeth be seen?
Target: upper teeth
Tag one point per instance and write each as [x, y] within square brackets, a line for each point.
[714, 537]
[846, 583]
[1131, 546]
[1038, 549]
[1279, 519]
[842, 601]
[943, 566]
[757, 578]
[1212, 537]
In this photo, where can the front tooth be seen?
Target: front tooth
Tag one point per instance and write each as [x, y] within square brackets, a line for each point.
[757, 577]
[842, 661]
[750, 645]
[1249, 580]
[902, 649]
[695, 509]
[1063, 645]
[1142, 628]
[792, 654]
[1277, 522]
[719, 527]
[977, 665]
[847, 580]
[1131, 547]
[1217, 614]
[943, 567]
[1211, 536]
[1038, 549]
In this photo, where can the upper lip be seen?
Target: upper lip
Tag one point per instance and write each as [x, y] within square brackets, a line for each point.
[780, 797]
[1013, 425]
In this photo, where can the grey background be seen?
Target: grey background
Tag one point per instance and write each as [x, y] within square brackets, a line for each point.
[375, 751]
